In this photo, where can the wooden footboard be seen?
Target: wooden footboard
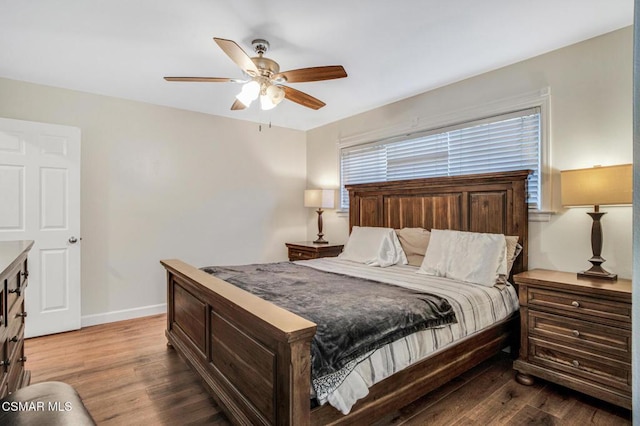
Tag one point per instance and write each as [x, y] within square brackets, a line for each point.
[253, 355]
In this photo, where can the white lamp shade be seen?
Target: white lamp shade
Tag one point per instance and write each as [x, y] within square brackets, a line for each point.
[597, 186]
[271, 97]
[249, 93]
[266, 103]
[319, 198]
[275, 93]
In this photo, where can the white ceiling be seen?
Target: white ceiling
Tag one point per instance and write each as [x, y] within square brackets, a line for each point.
[390, 49]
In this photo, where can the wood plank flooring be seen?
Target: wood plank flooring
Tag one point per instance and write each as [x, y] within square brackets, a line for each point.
[126, 375]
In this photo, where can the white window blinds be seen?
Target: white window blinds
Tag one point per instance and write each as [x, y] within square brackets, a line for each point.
[501, 143]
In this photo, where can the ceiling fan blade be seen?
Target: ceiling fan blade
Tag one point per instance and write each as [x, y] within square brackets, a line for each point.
[312, 74]
[202, 79]
[237, 105]
[237, 55]
[302, 98]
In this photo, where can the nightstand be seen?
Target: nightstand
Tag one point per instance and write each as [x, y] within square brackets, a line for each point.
[308, 250]
[576, 332]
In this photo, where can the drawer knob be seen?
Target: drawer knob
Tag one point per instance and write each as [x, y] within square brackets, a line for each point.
[575, 363]
[5, 362]
[576, 333]
[25, 273]
[14, 339]
[23, 359]
[575, 304]
[21, 314]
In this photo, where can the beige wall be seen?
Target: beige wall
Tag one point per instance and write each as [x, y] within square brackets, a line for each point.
[591, 92]
[160, 182]
[165, 183]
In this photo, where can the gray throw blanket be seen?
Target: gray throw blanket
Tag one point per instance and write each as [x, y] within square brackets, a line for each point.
[353, 315]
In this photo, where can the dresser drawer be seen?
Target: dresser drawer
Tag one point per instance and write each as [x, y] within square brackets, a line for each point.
[596, 338]
[16, 283]
[3, 307]
[580, 364]
[4, 357]
[577, 305]
[16, 315]
[16, 369]
[15, 337]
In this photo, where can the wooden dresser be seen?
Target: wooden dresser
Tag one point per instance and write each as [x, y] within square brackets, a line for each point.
[308, 250]
[13, 281]
[576, 332]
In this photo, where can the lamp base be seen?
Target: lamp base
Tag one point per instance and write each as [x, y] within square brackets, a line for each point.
[320, 240]
[598, 273]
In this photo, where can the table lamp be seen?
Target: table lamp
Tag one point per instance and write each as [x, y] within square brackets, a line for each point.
[319, 198]
[597, 186]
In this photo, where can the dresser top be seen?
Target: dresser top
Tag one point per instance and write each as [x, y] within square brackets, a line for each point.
[570, 279]
[10, 251]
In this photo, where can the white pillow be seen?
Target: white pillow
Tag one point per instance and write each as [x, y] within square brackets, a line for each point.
[466, 256]
[374, 247]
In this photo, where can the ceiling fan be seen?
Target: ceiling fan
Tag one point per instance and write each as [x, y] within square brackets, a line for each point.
[264, 78]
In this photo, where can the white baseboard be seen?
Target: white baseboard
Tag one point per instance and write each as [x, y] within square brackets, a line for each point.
[125, 314]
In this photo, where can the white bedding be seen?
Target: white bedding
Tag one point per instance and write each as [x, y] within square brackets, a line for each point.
[476, 307]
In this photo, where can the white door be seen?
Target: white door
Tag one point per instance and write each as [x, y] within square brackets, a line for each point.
[40, 201]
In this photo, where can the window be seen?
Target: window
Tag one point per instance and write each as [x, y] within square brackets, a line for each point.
[500, 143]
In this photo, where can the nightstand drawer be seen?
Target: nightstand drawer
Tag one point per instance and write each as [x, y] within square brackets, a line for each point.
[580, 306]
[297, 254]
[307, 250]
[588, 336]
[576, 363]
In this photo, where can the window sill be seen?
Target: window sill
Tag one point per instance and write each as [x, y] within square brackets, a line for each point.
[540, 215]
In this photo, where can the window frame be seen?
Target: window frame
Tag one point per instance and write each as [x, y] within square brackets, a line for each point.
[537, 99]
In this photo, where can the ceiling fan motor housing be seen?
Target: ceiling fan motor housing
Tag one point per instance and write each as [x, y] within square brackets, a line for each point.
[267, 67]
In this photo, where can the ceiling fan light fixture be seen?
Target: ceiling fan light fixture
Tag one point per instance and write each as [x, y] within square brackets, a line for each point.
[266, 103]
[271, 96]
[249, 93]
[275, 93]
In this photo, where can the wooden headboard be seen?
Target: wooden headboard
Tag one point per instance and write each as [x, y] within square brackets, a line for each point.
[489, 202]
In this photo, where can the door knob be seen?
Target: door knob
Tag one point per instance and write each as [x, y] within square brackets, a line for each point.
[73, 240]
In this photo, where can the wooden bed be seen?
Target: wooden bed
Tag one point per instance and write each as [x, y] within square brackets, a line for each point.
[255, 357]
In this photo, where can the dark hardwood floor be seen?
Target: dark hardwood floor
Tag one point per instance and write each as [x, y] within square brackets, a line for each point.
[127, 375]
